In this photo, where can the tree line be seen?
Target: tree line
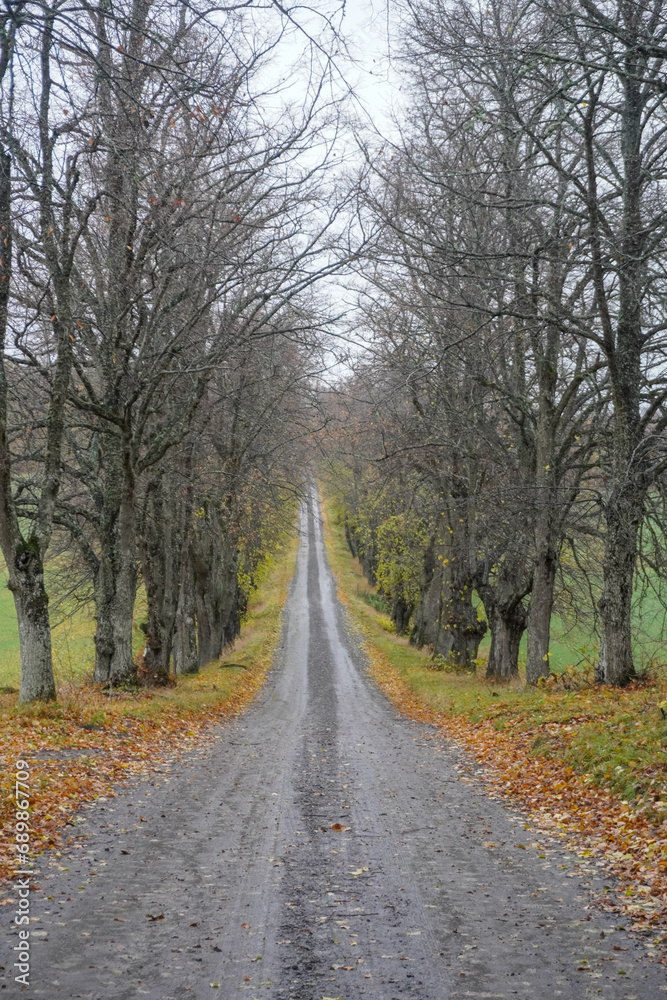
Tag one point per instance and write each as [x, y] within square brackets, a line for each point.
[502, 442]
[172, 233]
[164, 222]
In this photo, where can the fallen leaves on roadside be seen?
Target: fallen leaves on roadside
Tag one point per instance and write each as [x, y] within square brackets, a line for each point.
[127, 745]
[584, 810]
[81, 748]
[590, 820]
[339, 827]
[160, 916]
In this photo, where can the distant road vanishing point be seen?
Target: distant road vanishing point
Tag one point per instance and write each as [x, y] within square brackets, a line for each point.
[321, 847]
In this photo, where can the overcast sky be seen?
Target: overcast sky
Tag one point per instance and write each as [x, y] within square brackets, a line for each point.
[363, 64]
[368, 26]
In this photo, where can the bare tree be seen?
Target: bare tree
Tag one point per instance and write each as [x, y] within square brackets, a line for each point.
[166, 215]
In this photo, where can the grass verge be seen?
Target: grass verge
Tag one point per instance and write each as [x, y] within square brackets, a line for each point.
[82, 747]
[590, 765]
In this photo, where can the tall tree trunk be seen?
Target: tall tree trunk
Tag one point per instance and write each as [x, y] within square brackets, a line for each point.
[507, 623]
[446, 617]
[26, 582]
[218, 599]
[235, 603]
[624, 349]
[208, 556]
[505, 614]
[115, 594]
[541, 601]
[185, 634]
[185, 641]
[546, 349]
[461, 630]
[159, 545]
[23, 559]
[427, 615]
[116, 583]
[623, 514]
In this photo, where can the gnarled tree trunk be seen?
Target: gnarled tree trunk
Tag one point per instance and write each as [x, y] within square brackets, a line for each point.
[116, 582]
[541, 605]
[506, 615]
[623, 514]
[26, 582]
[461, 630]
[507, 623]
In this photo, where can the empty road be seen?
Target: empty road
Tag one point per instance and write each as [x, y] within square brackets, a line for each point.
[319, 847]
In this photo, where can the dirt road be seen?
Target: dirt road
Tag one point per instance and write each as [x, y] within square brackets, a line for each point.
[321, 847]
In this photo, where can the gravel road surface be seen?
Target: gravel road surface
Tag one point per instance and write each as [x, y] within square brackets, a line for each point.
[320, 847]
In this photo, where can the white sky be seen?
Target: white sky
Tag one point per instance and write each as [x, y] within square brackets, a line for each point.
[363, 64]
[368, 26]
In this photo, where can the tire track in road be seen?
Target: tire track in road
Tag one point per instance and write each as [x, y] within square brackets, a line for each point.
[256, 889]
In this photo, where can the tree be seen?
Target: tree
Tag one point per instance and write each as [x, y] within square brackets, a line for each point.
[164, 221]
[480, 208]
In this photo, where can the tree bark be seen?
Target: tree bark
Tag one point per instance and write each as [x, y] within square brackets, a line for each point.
[427, 615]
[115, 593]
[446, 617]
[26, 582]
[506, 615]
[623, 515]
[116, 583]
[23, 559]
[159, 545]
[624, 349]
[461, 631]
[185, 640]
[541, 603]
[507, 623]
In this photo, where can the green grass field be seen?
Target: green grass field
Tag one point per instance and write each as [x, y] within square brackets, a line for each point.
[73, 645]
[574, 643]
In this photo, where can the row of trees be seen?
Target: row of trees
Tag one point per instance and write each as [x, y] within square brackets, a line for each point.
[163, 226]
[165, 221]
[508, 426]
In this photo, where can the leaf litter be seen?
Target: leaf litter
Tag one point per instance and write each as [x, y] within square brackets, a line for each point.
[591, 821]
